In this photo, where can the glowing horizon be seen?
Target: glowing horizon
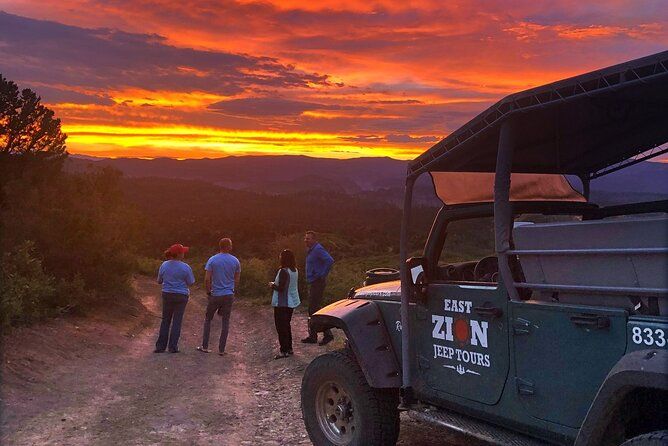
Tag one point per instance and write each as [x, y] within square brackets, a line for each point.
[195, 80]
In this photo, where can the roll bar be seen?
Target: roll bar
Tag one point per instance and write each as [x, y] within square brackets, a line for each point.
[503, 209]
[406, 345]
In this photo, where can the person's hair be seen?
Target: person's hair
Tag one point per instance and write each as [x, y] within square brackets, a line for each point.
[169, 255]
[225, 244]
[309, 232]
[288, 260]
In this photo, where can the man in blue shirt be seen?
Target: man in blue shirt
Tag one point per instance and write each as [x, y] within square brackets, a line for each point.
[221, 280]
[318, 264]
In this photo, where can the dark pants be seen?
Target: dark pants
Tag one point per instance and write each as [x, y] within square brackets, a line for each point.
[282, 318]
[222, 305]
[173, 307]
[316, 291]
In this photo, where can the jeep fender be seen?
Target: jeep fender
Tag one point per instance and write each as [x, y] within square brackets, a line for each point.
[362, 322]
[646, 369]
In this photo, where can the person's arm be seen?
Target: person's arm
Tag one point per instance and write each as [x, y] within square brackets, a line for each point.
[326, 261]
[207, 276]
[160, 275]
[207, 282]
[191, 277]
[283, 278]
[237, 276]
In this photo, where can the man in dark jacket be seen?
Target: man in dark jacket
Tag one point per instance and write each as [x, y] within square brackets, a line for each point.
[318, 264]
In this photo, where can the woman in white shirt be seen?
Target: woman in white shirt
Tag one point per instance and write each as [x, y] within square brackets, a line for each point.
[284, 299]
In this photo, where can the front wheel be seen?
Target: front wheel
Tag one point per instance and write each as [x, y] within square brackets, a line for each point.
[658, 438]
[339, 407]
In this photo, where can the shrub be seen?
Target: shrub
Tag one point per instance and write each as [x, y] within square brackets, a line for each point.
[255, 275]
[148, 266]
[25, 286]
[83, 237]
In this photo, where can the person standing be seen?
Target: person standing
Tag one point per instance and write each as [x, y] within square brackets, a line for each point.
[284, 299]
[221, 280]
[175, 276]
[318, 264]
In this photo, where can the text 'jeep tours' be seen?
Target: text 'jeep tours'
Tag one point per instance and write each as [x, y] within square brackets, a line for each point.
[560, 336]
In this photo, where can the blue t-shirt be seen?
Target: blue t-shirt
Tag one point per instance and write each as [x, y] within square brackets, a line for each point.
[223, 267]
[175, 276]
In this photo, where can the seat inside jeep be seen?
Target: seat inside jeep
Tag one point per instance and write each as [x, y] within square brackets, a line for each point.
[602, 261]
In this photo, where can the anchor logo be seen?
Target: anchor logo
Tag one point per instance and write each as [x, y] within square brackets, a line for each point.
[461, 369]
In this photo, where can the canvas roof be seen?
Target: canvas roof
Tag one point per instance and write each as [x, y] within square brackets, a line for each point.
[476, 187]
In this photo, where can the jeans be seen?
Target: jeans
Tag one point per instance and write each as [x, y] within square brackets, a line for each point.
[282, 318]
[173, 307]
[316, 291]
[222, 305]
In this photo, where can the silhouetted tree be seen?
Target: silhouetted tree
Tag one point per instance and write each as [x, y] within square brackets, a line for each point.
[27, 126]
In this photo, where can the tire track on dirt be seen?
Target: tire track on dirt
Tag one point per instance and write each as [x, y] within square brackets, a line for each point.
[101, 384]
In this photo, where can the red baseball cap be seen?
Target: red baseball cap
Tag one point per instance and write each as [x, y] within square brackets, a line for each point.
[178, 248]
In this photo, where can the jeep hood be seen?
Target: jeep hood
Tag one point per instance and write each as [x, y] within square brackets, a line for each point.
[380, 291]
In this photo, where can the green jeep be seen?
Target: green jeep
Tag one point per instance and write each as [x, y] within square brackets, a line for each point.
[559, 336]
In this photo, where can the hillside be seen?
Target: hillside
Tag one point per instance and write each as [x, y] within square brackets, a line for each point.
[198, 213]
[378, 179]
[261, 172]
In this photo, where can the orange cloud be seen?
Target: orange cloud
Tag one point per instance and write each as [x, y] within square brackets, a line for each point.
[191, 78]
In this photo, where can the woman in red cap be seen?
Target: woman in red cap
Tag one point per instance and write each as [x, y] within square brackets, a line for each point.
[176, 276]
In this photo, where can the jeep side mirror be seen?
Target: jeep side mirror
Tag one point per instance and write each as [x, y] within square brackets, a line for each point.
[417, 269]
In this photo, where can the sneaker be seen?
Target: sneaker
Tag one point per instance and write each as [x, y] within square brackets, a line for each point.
[175, 351]
[157, 350]
[310, 340]
[281, 355]
[326, 340]
[203, 350]
[221, 353]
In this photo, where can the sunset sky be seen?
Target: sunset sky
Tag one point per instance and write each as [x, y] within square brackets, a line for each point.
[193, 79]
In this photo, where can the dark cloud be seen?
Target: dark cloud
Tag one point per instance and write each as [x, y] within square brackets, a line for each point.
[438, 119]
[263, 107]
[36, 50]
[271, 107]
[408, 138]
[53, 95]
[363, 138]
[399, 138]
[395, 102]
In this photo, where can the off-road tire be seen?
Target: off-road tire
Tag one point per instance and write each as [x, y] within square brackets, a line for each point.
[658, 438]
[377, 417]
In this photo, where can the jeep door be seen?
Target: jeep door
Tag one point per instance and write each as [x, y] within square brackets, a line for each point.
[562, 355]
[566, 342]
[462, 334]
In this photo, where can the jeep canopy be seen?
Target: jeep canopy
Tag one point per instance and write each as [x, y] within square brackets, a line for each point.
[573, 126]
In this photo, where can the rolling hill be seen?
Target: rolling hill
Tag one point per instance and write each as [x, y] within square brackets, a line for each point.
[376, 178]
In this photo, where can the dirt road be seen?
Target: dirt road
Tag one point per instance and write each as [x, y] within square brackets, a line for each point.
[82, 381]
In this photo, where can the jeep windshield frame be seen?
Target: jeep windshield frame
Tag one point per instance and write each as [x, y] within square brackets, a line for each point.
[588, 125]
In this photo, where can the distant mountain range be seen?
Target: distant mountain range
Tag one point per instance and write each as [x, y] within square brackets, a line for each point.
[643, 181]
[266, 172]
[375, 177]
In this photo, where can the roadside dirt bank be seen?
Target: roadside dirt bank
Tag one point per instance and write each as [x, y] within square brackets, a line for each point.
[95, 380]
